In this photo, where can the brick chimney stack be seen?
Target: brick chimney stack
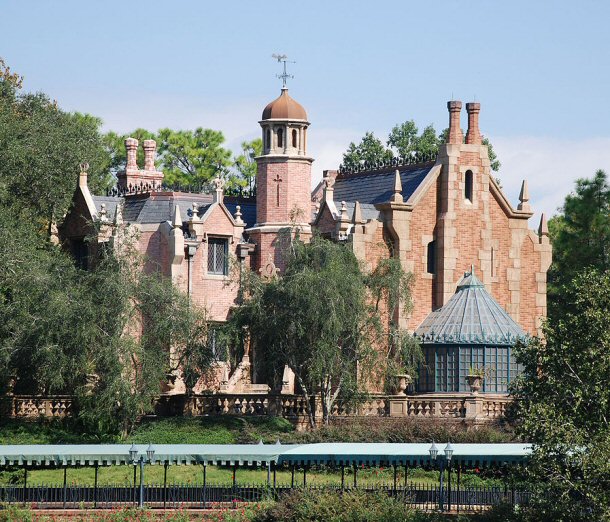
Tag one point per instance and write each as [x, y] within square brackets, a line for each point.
[132, 179]
[131, 145]
[473, 135]
[455, 131]
[150, 148]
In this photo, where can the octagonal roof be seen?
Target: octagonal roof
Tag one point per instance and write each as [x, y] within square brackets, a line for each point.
[471, 316]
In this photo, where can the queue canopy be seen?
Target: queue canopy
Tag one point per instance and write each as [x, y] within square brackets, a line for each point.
[338, 453]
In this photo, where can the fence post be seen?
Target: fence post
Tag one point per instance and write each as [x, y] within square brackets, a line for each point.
[165, 484]
[459, 475]
[95, 486]
[25, 486]
[65, 486]
[205, 467]
[395, 478]
[342, 476]
[355, 475]
[292, 478]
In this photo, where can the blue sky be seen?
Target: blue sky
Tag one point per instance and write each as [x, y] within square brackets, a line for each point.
[540, 70]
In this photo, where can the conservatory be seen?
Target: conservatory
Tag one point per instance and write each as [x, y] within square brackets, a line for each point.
[470, 336]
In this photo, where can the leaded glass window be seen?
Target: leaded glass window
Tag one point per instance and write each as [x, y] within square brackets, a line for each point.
[218, 253]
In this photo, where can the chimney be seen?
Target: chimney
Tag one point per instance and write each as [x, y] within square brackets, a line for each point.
[473, 135]
[455, 132]
[82, 177]
[150, 148]
[131, 145]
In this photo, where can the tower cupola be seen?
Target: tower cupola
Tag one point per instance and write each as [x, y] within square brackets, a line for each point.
[284, 123]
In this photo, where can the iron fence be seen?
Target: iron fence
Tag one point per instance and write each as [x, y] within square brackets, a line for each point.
[423, 496]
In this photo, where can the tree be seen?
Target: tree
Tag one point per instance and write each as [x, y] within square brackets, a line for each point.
[41, 147]
[370, 149]
[322, 320]
[245, 165]
[580, 235]
[564, 404]
[404, 141]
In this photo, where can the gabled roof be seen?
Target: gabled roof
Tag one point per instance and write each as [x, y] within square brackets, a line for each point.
[471, 316]
[375, 187]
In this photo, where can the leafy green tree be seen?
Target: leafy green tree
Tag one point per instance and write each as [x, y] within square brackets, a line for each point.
[193, 156]
[564, 405]
[245, 165]
[370, 149]
[321, 319]
[404, 140]
[580, 235]
[41, 147]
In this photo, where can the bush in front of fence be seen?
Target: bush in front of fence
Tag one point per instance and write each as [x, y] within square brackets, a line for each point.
[349, 506]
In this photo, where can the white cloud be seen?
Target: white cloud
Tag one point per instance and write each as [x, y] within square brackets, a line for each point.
[549, 165]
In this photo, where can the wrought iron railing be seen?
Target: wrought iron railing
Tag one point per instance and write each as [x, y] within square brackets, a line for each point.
[423, 496]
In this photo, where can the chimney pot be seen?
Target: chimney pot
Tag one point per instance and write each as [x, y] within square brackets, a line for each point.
[455, 132]
[473, 135]
[131, 145]
[150, 148]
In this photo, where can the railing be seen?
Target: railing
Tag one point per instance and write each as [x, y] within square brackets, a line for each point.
[423, 496]
[483, 407]
[31, 406]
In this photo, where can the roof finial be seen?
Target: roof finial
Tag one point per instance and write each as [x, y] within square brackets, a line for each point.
[357, 216]
[543, 228]
[397, 196]
[524, 198]
[343, 213]
[282, 58]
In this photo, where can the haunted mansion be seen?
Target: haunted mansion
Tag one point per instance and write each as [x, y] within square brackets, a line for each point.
[479, 271]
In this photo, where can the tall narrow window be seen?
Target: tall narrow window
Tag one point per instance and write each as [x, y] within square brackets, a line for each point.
[294, 138]
[268, 139]
[280, 138]
[493, 268]
[468, 185]
[431, 257]
[218, 253]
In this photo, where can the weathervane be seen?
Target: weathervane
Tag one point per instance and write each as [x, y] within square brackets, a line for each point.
[282, 58]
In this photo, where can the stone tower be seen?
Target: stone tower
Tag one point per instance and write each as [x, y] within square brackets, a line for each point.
[283, 182]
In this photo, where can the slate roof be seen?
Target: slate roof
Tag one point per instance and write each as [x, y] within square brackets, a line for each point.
[368, 211]
[156, 209]
[471, 316]
[248, 209]
[378, 186]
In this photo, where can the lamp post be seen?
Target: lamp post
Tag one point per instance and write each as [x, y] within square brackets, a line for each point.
[133, 456]
[434, 456]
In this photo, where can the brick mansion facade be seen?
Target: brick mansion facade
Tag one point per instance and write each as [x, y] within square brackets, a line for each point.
[443, 217]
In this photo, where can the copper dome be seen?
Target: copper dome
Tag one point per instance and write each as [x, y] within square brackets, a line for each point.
[284, 108]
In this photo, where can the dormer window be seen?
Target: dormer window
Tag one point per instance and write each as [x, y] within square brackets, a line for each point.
[218, 256]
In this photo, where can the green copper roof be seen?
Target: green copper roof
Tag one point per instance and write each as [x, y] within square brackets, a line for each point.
[471, 316]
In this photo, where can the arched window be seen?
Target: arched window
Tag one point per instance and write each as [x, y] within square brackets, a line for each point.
[431, 257]
[280, 138]
[268, 139]
[294, 138]
[468, 185]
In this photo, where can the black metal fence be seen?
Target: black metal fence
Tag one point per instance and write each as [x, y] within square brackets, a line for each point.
[424, 496]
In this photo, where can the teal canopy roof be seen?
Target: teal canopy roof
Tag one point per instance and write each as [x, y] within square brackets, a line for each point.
[371, 454]
[471, 316]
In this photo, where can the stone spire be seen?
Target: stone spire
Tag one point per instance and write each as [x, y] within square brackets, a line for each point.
[177, 221]
[524, 198]
[397, 196]
[357, 216]
[543, 228]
